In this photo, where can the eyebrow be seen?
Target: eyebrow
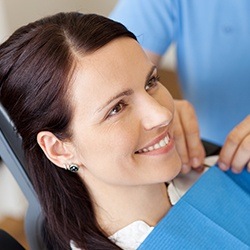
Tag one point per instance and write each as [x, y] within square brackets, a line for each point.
[127, 92]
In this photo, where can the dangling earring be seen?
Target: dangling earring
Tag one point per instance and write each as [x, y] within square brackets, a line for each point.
[72, 167]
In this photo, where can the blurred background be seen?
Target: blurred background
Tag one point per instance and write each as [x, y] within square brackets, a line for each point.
[14, 14]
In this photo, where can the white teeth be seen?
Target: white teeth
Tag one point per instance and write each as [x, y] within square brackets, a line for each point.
[162, 143]
[166, 139]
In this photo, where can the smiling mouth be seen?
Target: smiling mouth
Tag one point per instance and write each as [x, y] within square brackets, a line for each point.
[162, 143]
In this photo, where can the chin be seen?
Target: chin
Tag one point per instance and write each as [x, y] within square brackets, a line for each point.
[175, 168]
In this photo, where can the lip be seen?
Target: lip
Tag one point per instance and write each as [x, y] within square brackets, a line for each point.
[157, 140]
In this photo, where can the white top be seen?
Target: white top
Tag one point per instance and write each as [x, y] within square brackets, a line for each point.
[131, 236]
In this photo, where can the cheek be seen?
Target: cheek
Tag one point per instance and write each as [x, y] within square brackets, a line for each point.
[109, 159]
[107, 145]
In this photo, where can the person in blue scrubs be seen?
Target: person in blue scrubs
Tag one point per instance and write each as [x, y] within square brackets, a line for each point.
[213, 62]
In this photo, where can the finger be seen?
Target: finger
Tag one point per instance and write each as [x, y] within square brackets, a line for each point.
[190, 126]
[242, 155]
[195, 149]
[233, 141]
[181, 143]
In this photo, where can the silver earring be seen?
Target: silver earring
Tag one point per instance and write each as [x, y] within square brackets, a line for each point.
[72, 167]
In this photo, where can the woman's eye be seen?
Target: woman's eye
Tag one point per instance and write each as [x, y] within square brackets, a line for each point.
[117, 108]
[152, 83]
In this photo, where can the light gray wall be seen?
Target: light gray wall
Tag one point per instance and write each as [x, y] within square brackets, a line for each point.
[3, 22]
[15, 13]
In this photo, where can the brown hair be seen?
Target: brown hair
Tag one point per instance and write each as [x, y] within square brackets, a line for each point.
[36, 65]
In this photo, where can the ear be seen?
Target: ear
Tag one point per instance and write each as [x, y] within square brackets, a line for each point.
[57, 151]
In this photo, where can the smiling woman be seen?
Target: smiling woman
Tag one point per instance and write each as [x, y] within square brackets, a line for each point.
[97, 129]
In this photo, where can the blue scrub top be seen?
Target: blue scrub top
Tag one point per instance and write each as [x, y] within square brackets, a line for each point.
[213, 53]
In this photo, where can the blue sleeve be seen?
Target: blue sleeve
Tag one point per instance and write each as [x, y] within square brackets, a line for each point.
[153, 22]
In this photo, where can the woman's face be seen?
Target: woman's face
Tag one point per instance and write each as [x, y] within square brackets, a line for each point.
[122, 122]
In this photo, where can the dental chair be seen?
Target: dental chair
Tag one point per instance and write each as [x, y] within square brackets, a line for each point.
[8, 242]
[12, 155]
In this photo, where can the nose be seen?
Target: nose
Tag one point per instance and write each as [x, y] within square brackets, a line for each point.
[154, 114]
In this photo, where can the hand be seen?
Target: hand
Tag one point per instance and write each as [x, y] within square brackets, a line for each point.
[187, 136]
[236, 151]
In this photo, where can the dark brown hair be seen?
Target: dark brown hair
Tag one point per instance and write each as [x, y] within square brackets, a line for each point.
[36, 65]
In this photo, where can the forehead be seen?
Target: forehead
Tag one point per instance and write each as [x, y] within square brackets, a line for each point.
[116, 66]
[114, 60]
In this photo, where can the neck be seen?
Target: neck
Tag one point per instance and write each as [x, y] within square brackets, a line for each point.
[118, 206]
